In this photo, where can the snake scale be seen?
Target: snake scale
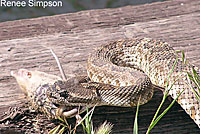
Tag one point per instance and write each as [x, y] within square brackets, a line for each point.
[119, 73]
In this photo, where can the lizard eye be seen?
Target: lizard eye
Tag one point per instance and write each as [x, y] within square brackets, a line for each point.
[29, 74]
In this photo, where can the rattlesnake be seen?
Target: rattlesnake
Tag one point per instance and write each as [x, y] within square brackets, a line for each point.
[120, 73]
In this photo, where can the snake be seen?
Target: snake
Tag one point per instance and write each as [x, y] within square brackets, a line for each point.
[121, 73]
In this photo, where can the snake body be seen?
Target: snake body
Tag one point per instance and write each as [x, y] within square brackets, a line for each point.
[119, 73]
[132, 62]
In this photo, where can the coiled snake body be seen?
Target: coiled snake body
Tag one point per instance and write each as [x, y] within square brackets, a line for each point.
[132, 62]
[120, 73]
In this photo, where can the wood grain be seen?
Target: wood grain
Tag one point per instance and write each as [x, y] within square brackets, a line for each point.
[26, 43]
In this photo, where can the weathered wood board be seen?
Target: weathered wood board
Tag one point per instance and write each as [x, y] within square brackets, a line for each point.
[26, 43]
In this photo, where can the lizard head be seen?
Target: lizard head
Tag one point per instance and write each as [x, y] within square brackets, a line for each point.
[30, 80]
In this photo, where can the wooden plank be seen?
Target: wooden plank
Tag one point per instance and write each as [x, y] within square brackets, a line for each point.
[104, 18]
[26, 43]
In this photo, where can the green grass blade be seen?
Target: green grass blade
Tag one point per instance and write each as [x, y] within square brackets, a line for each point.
[85, 116]
[60, 119]
[88, 123]
[196, 75]
[197, 95]
[196, 79]
[135, 128]
[165, 111]
[84, 128]
[164, 96]
[170, 73]
[61, 130]
[183, 57]
[162, 102]
[54, 130]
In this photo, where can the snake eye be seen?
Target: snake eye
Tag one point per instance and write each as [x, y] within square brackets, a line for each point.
[28, 74]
